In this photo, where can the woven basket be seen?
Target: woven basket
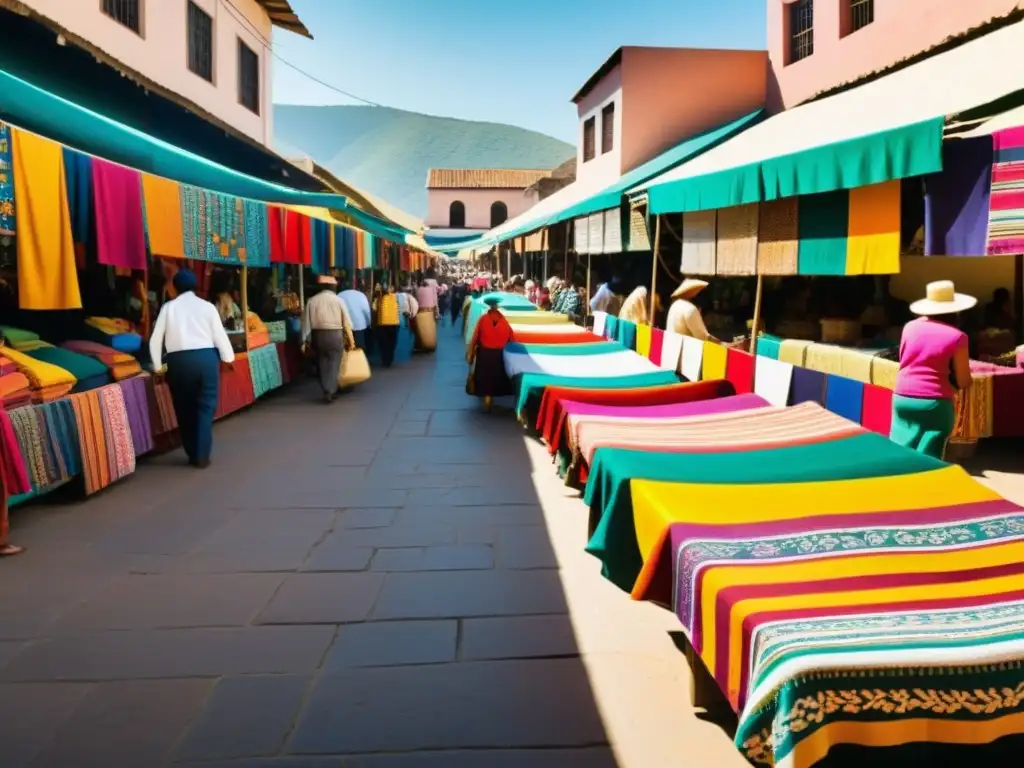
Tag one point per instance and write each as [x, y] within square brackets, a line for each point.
[836, 331]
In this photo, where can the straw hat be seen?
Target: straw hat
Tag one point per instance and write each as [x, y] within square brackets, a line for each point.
[326, 280]
[689, 288]
[941, 298]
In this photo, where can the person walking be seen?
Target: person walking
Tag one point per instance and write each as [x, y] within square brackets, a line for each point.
[359, 310]
[326, 322]
[190, 329]
[388, 320]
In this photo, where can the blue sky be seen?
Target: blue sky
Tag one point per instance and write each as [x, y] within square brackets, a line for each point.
[517, 62]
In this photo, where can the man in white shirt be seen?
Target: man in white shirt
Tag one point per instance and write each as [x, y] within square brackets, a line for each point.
[683, 315]
[326, 321]
[190, 329]
[359, 310]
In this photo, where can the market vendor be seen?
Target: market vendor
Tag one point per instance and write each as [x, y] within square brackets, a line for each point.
[326, 322]
[425, 321]
[683, 315]
[486, 353]
[229, 311]
[190, 329]
[634, 308]
[934, 363]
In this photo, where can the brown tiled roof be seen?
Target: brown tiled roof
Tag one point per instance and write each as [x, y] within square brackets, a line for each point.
[282, 15]
[483, 178]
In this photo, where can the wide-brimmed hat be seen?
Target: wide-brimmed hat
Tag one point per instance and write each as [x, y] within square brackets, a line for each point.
[492, 302]
[689, 288]
[327, 280]
[941, 298]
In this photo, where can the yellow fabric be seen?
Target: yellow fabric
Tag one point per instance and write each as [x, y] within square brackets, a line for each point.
[163, 216]
[535, 318]
[884, 372]
[34, 344]
[47, 276]
[825, 358]
[873, 242]
[643, 340]
[110, 325]
[794, 351]
[39, 373]
[253, 323]
[387, 309]
[715, 356]
[855, 365]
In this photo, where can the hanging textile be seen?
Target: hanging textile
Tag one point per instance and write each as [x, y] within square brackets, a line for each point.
[1006, 217]
[370, 250]
[120, 236]
[699, 242]
[275, 233]
[257, 236]
[873, 247]
[320, 247]
[7, 216]
[137, 406]
[78, 178]
[736, 251]
[822, 225]
[956, 200]
[778, 237]
[297, 236]
[714, 362]
[344, 248]
[47, 277]
[162, 201]
[214, 226]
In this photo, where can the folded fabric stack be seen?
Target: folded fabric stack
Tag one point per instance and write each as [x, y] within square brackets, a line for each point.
[136, 402]
[278, 331]
[48, 382]
[33, 345]
[48, 438]
[17, 337]
[121, 364]
[256, 330]
[88, 372]
[15, 388]
[265, 367]
[104, 436]
[114, 332]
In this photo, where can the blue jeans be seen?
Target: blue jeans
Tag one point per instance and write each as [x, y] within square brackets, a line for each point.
[194, 379]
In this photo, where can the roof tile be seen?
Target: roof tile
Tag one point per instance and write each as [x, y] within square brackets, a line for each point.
[483, 178]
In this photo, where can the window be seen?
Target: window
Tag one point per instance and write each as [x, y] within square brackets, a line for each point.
[801, 30]
[248, 78]
[608, 128]
[499, 214]
[457, 215]
[862, 13]
[589, 126]
[200, 42]
[125, 12]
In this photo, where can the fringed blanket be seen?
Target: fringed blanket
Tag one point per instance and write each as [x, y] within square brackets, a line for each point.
[265, 368]
[136, 400]
[47, 437]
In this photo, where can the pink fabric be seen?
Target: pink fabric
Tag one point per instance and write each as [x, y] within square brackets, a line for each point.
[120, 232]
[926, 359]
[657, 344]
[698, 408]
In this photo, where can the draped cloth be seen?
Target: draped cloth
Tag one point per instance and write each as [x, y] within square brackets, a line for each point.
[7, 207]
[257, 234]
[873, 246]
[78, 173]
[956, 200]
[823, 227]
[14, 473]
[162, 199]
[47, 275]
[136, 403]
[120, 233]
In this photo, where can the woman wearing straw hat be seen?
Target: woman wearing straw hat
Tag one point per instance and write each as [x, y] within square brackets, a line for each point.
[683, 315]
[933, 360]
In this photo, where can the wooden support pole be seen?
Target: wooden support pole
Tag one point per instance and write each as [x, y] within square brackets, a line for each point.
[568, 231]
[588, 280]
[244, 298]
[654, 266]
[302, 290]
[755, 326]
[546, 246]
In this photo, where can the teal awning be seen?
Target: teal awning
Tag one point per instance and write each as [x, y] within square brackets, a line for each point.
[34, 109]
[889, 128]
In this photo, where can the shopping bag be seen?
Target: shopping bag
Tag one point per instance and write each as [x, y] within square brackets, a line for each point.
[355, 369]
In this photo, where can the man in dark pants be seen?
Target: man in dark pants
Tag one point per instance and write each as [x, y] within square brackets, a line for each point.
[190, 328]
[385, 334]
[326, 322]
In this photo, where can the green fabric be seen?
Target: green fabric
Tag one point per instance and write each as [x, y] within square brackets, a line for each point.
[531, 385]
[824, 221]
[17, 336]
[768, 346]
[613, 539]
[897, 153]
[79, 366]
[566, 350]
[922, 424]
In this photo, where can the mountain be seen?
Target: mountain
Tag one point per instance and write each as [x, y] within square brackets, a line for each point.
[387, 151]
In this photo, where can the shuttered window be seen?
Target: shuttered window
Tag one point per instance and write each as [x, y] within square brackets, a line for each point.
[125, 12]
[248, 78]
[801, 30]
[608, 128]
[589, 128]
[200, 42]
[862, 13]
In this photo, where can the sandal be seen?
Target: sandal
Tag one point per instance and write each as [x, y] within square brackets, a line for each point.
[9, 550]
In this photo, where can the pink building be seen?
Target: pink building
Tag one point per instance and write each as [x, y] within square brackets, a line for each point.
[466, 201]
[817, 45]
[643, 101]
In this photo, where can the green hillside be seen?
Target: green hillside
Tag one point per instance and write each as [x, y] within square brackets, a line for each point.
[387, 151]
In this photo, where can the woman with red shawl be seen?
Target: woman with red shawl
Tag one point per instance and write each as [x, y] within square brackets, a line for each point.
[486, 353]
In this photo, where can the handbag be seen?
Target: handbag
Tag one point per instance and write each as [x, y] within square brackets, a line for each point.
[355, 369]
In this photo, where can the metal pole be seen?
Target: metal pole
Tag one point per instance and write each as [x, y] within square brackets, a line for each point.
[755, 326]
[588, 277]
[654, 265]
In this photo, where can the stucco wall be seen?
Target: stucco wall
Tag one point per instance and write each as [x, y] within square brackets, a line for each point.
[160, 52]
[605, 168]
[671, 94]
[901, 28]
[478, 205]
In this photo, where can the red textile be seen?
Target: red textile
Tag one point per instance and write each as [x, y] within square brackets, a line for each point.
[551, 417]
[14, 473]
[739, 369]
[290, 356]
[236, 390]
[275, 226]
[298, 238]
[1007, 396]
[877, 410]
[492, 331]
[526, 337]
[120, 232]
[657, 343]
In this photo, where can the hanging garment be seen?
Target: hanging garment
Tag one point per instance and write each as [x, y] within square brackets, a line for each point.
[120, 233]
[956, 200]
[162, 202]
[257, 235]
[873, 247]
[78, 174]
[297, 238]
[47, 278]
[7, 216]
[214, 226]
